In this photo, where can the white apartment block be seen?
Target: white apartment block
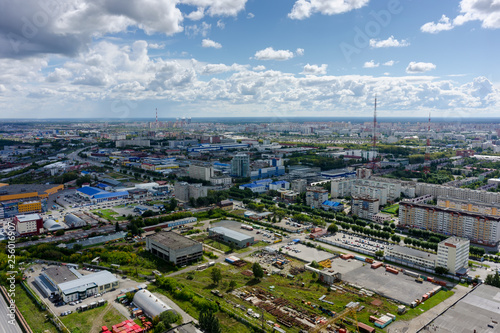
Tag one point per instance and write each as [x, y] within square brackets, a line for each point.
[315, 196]
[470, 206]
[365, 207]
[476, 227]
[453, 253]
[457, 193]
[383, 190]
[201, 172]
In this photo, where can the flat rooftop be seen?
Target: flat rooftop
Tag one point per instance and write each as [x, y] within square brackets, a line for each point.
[230, 233]
[60, 274]
[415, 253]
[28, 217]
[25, 188]
[172, 240]
[473, 313]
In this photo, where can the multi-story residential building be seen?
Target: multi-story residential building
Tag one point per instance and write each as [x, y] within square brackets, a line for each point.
[197, 190]
[453, 253]
[240, 166]
[480, 228]
[299, 185]
[181, 190]
[457, 193]
[470, 206]
[202, 172]
[365, 207]
[315, 196]
[383, 190]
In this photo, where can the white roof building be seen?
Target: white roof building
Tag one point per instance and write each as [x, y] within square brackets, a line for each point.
[151, 305]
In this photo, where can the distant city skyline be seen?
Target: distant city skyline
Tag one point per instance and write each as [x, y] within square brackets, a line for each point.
[239, 58]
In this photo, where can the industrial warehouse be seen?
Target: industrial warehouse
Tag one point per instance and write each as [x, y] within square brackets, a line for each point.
[69, 285]
[229, 236]
[174, 248]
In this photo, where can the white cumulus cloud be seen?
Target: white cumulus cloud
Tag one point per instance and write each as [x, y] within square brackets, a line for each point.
[370, 64]
[299, 52]
[485, 11]
[303, 9]
[315, 69]
[197, 14]
[389, 63]
[210, 43]
[389, 42]
[218, 7]
[259, 68]
[250, 15]
[442, 25]
[419, 67]
[272, 54]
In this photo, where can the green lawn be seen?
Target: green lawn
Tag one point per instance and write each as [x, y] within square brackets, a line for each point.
[33, 315]
[109, 214]
[391, 209]
[82, 322]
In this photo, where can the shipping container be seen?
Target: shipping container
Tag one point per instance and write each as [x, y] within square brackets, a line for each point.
[369, 260]
[410, 273]
[391, 270]
[376, 265]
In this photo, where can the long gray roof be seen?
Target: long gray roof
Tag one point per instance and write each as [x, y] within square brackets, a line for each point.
[230, 233]
[150, 304]
[86, 281]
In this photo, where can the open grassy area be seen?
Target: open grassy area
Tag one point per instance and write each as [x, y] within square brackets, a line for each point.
[91, 321]
[109, 214]
[33, 315]
[430, 303]
[116, 175]
[391, 209]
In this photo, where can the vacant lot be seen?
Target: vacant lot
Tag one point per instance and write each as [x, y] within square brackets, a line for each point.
[92, 320]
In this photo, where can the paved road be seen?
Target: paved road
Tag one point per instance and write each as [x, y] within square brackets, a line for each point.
[5, 327]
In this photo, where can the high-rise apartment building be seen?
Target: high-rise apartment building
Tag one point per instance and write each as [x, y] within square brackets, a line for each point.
[240, 165]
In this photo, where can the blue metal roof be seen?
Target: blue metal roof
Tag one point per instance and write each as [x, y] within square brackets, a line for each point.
[110, 194]
[90, 191]
[331, 203]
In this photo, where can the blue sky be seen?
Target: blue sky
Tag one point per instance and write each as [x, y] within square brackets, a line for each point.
[199, 58]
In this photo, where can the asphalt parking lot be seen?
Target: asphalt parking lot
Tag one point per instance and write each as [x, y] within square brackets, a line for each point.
[109, 296]
[365, 243]
[400, 287]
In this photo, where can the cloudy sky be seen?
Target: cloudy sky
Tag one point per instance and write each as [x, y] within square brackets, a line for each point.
[215, 58]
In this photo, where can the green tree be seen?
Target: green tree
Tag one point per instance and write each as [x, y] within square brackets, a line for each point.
[441, 270]
[257, 270]
[216, 275]
[332, 228]
[117, 227]
[209, 323]
[169, 317]
[232, 285]
[379, 253]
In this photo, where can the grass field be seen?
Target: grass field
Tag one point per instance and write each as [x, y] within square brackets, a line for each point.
[391, 209]
[91, 321]
[116, 175]
[33, 315]
[109, 214]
